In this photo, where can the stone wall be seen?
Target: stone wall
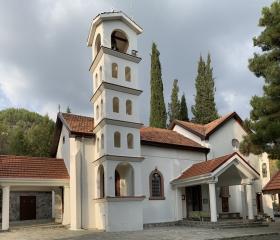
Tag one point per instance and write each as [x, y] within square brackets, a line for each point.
[43, 205]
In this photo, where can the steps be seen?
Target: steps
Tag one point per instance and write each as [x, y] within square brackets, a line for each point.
[223, 224]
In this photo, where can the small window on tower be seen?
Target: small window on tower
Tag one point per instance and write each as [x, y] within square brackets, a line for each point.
[102, 141]
[97, 145]
[264, 170]
[101, 108]
[115, 105]
[97, 112]
[127, 74]
[128, 107]
[114, 70]
[129, 141]
[117, 140]
[100, 74]
[96, 80]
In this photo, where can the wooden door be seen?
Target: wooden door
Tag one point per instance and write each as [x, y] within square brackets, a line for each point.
[117, 184]
[27, 207]
[259, 203]
[225, 205]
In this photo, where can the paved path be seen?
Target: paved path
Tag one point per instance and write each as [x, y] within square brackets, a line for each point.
[163, 233]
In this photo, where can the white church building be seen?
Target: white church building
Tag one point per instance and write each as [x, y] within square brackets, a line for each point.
[115, 174]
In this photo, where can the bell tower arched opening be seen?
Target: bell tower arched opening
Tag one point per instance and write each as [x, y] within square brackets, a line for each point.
[119, 41]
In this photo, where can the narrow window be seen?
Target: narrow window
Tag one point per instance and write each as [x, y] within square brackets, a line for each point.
[128, 107]
[97, 112]
[101, 108]
[102, 141]
[114, 70]
[127, 74]
[264, 170]
[156, 185]
[117, 139]
[96, 80]
[115, 105]
[129, 141]
[100, 74]
[97, 144]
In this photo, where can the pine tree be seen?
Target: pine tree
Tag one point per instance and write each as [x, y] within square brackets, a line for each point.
[68, 109]
[183, 109]
[174, 105]
[264, 119]
[157, 106]
[204, 110]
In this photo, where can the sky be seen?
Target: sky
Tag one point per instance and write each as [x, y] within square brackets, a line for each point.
[44, 59]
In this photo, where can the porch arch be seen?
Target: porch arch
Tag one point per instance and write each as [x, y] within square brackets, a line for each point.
[124, 180]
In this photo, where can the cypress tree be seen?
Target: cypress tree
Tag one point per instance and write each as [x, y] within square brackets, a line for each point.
[174, 105]
[204, 110]
[264, 119]
[183, 109]
[157, 106]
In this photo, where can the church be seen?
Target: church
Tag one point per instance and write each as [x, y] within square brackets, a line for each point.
[112, 173]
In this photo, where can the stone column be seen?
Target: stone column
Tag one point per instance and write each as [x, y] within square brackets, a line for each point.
[249, 201]
[66, 206]
[213, 203]
[5, 207]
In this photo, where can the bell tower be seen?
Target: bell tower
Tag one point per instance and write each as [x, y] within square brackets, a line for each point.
[117, 153]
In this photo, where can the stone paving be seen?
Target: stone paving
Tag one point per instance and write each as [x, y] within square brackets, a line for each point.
[163, 233]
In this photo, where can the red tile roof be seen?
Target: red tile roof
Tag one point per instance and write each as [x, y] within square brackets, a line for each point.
[166, 137]
[78, 124]
[206, 130]
[207, 167]
[32, 167]
[273, 186]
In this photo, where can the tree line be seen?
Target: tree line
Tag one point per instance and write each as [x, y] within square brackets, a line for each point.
[263, 126]
[204, 110]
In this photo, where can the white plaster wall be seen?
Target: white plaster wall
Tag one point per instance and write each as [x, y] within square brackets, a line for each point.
[171, 163]
[107, 97]
[188, 134]
[63, 149]
[124, 216]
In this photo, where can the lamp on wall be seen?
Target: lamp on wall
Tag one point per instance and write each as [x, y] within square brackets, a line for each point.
[183, 197]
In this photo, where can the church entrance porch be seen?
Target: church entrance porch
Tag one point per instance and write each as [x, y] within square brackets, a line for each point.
[218, 189]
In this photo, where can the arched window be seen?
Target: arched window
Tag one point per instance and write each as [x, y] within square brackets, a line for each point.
[127, 74]
[97, 144]
[264, 170]
[124, 180]
[156, 185]
[100, 74]
[119, 41]
[102, 141]
[235, 143]
[100, 181]
[96, 81]
[117, 139]
[129, 141]
[115, 105]
[97, 44]
[97, 112]
[101, 108]
[114, 70]
[128, 107]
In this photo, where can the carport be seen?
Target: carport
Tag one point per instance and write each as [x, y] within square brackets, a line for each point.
[33, 188]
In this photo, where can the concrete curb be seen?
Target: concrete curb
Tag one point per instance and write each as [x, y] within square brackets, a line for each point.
[247, 236]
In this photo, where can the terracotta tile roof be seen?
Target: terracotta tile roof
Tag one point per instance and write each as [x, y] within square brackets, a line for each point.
[206, 130]
[78, 124]
[166, 137]
[207, 167]
[273, 186]
[32, 167]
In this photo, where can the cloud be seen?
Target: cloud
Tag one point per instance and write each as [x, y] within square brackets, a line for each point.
[44, 59]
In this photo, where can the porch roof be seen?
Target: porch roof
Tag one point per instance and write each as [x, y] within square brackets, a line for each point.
[273, 186]
[37, 168]
[213, 168]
